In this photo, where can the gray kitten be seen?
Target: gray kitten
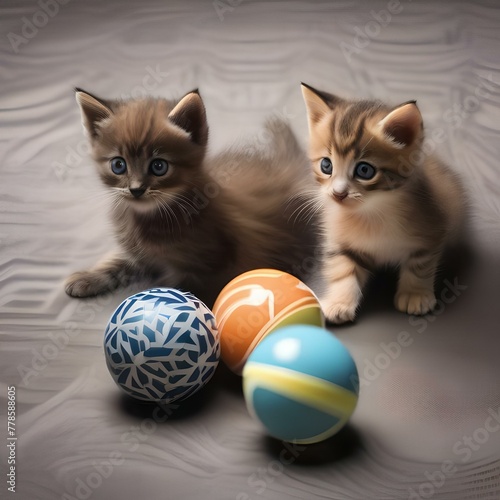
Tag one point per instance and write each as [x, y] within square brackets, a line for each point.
[185, 221]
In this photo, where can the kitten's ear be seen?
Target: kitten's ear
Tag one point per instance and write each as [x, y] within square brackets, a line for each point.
[318, 103]
[403, 125]
[189, 114]
[93, 110]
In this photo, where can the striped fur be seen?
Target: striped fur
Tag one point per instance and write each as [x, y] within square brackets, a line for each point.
[404, 216]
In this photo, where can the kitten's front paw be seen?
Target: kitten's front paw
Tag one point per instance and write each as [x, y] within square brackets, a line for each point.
[338, 313]
[89, 284]
[417, 303]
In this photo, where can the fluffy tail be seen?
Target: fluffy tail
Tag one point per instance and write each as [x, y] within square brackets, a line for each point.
[267, 187]
[270, 166]
[284, 144]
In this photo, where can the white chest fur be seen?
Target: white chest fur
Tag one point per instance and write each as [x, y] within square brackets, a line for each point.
[381, 233]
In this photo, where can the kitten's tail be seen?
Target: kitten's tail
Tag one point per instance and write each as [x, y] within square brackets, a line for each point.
[283, 137]
[271, 167]
[266, 183]
[284, 148]
[286, 163]
[274, 179]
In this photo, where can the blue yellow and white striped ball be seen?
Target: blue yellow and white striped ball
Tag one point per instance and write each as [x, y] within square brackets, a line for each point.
[301, 383]
[162, 345]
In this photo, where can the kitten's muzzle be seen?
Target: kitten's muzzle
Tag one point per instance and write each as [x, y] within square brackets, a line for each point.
[339, 196]
[137, 192]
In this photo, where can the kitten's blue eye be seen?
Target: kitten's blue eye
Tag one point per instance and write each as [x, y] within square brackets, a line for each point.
[118, 166]
[158, 167]
[364, 171]
[326, 166]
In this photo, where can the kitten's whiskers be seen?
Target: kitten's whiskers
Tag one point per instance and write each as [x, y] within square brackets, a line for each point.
[162, 200]
[307, 209]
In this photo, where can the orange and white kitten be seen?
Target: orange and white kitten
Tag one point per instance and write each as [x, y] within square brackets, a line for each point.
[182, 220]
[384, 202]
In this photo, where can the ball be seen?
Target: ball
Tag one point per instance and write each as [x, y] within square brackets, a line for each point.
[162, 345]
[256, 303]
[301, 383]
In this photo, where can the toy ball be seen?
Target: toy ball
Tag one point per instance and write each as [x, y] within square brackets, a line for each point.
[161, 345]
[301, 383]
[256, 303]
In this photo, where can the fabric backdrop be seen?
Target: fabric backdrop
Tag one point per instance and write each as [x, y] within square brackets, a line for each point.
[428, 420]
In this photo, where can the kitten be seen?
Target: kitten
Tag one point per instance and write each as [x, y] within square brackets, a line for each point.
[180, 219]
[384, 202]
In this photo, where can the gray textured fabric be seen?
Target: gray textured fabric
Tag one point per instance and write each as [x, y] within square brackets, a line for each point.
[428, 420]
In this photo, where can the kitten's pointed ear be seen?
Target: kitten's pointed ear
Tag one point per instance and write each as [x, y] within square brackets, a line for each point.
[403, 125]
[93, 110]
[189, 114]
[318, 103]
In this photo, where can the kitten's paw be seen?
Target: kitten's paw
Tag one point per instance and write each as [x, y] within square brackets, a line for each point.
[338, 313]
[417, 303]
[89, 284]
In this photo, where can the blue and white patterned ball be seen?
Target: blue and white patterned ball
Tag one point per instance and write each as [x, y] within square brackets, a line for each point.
[162, 345]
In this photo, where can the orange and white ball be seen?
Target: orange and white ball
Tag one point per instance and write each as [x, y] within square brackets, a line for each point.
[255, 304]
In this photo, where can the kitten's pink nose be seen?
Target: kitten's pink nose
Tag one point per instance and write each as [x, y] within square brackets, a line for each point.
[339, 196]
